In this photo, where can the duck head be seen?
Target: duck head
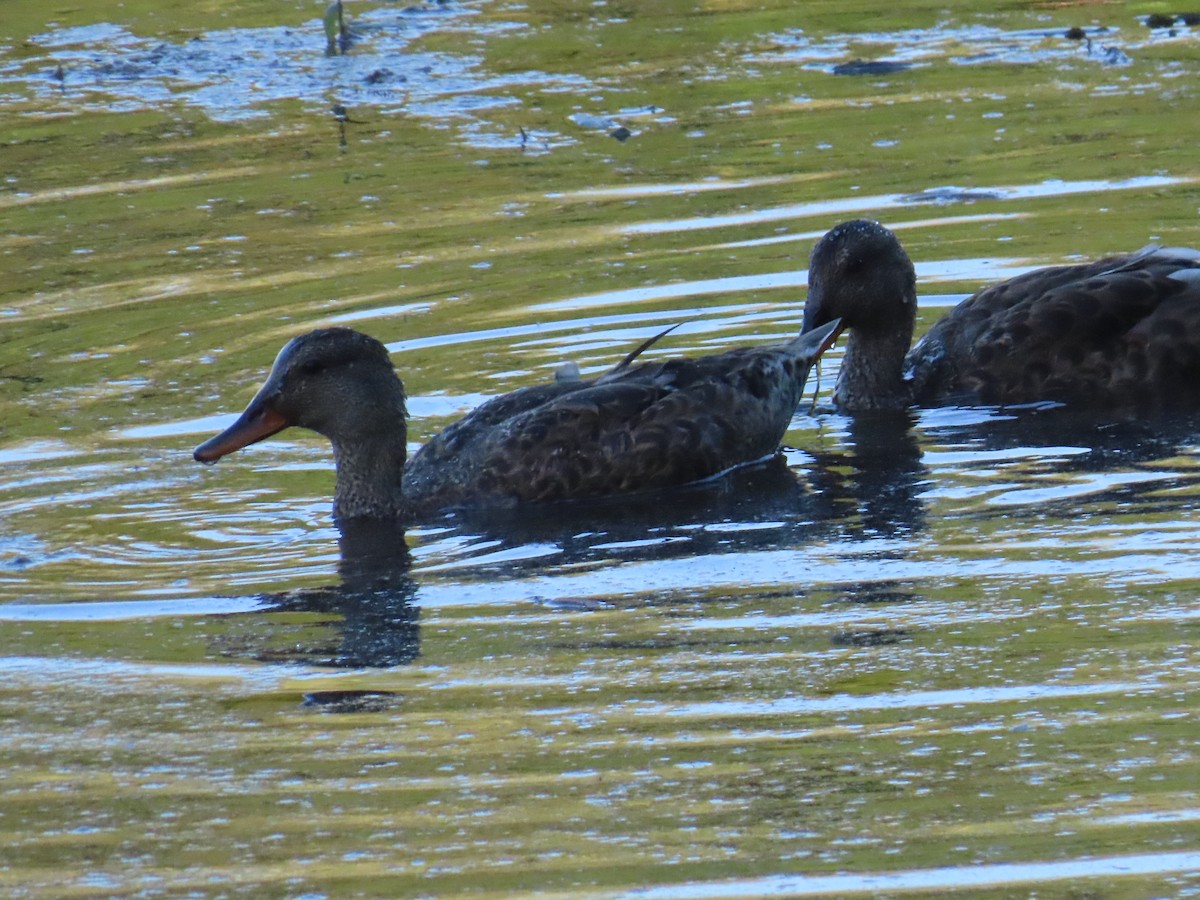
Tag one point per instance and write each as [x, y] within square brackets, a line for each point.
[859, 272]
[334, 381]
[341, 384]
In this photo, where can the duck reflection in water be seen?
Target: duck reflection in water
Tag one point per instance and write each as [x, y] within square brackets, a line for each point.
[369, 619]
[873, 487]
[864, 488]
[1130, 459]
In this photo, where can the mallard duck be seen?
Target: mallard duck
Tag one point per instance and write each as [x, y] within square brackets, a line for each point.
[1123, 330]
[637, 427]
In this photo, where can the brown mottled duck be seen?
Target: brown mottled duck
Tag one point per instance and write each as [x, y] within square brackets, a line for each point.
[638, 427]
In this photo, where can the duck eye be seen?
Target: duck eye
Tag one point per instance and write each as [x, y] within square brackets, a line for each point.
[311, 367]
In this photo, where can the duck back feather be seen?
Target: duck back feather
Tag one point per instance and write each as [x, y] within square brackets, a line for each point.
[650, 426]
[1105, 333]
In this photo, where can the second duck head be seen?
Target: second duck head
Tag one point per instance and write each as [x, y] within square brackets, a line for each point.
[860, 273]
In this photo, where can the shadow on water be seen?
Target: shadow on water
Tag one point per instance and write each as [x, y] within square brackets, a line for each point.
[867, 489]
[1127, 439]
[1126, 457]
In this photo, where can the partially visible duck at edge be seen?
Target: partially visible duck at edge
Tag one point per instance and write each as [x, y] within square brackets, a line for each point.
[637, 427]
[1121, 331]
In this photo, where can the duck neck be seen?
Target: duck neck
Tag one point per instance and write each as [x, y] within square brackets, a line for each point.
[370, 472]
[872, 370]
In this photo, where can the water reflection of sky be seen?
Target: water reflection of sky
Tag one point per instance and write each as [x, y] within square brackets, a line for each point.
[978, 876]
[971, 45]
[933, 196]
[962, 641]
[236, 72]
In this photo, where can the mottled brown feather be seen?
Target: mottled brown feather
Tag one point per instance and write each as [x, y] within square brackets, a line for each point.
[635, 428]
[653, 426]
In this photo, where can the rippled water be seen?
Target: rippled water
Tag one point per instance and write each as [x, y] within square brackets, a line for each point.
[952, 649]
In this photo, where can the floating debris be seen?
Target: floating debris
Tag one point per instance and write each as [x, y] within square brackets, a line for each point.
[1159, 21]
[609, 126]
[351, 701]
[568, 373]
[1109, 55]
[343, 115]
[379, 76]
[871, 67]
[614, 128]
[881, 637]
[597, 123]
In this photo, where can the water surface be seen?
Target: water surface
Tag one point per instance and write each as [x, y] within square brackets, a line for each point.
[947, 650]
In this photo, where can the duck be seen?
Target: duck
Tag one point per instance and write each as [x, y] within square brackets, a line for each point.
[654, 425]
[1122, 331]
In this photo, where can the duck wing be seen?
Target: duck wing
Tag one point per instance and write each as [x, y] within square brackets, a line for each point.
[633, 354]
[507, 406]
[1104, 332]
[641, 427]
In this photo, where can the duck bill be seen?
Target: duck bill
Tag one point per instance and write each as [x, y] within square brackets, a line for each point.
[259, 421]
[821, 338]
